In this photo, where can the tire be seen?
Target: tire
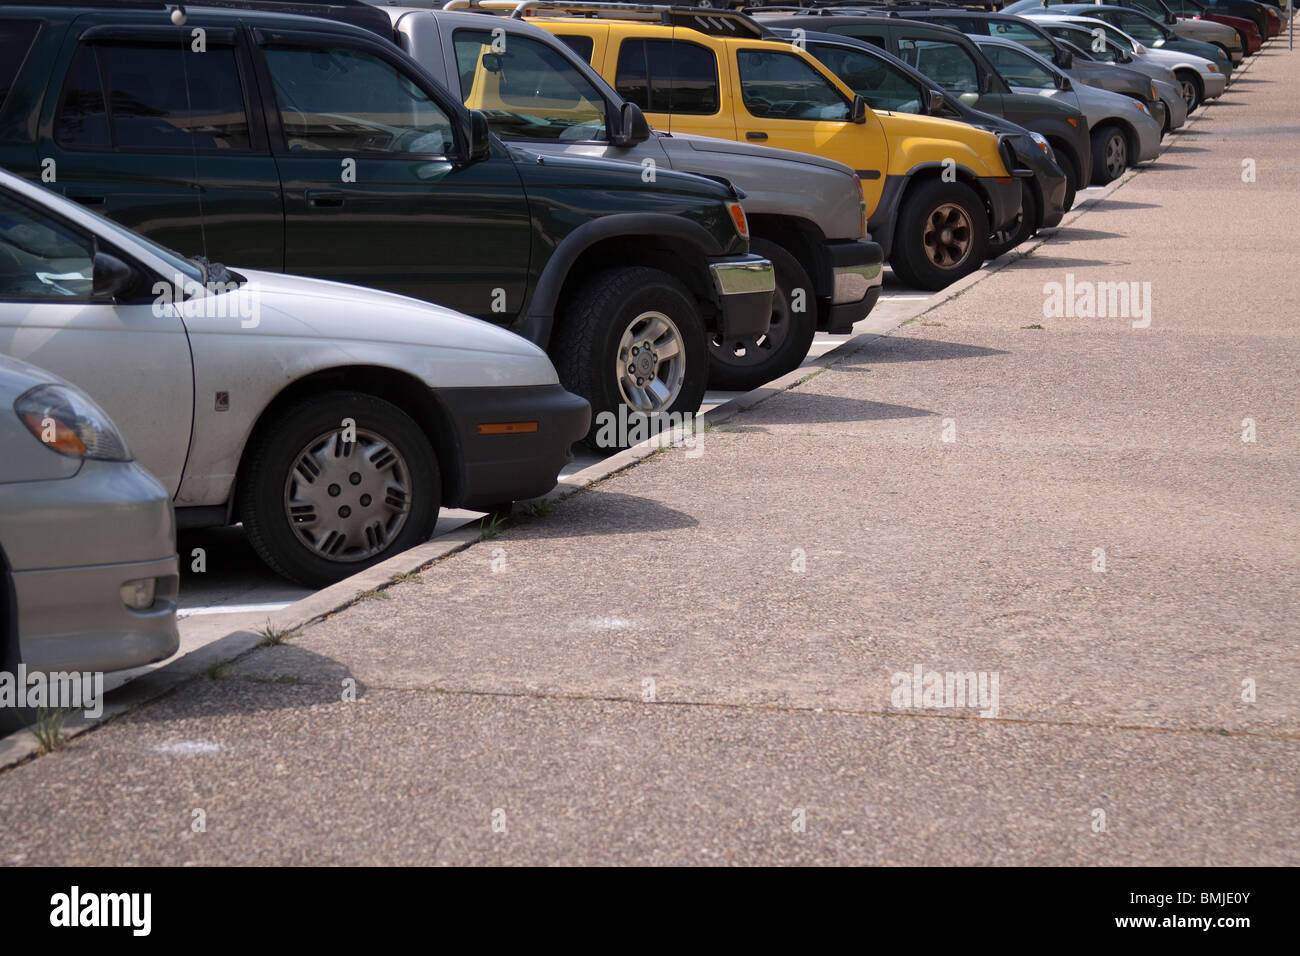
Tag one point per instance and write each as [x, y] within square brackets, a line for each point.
[757, 359]
[1190, 84]
[1026, 225]
[928, 209]
[1109, 154]
[593, 348]
[294, 459]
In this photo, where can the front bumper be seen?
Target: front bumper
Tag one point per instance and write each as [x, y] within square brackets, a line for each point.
[72, 543]
[1172, 98]
[857, 271]
[1215, 84]
[744, 286]
[1004, 201]
[510, 443]
[1158, 112]
[1047, 176]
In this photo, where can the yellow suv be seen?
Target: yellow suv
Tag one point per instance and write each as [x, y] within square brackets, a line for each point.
[936, 188]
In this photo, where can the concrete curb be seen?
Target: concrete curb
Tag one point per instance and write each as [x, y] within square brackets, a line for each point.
[23, 745]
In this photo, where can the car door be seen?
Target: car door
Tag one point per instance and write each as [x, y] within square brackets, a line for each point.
[132, 355]
[157, 135]
[378, 188]
[786, 102]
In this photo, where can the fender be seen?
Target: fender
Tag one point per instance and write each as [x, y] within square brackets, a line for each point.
[885, 220]
[540, 317]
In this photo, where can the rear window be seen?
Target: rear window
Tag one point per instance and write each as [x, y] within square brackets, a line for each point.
[583, 46]
[16, 38]
[149, 106]
[668, 76]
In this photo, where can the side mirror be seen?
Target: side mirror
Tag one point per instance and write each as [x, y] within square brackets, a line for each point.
[632, 126]
[986, 83]
[934, 101]
[858, 112]
[1065, 59]
[493, 62]
[111, 276]
[480, 137]
[1063, 83]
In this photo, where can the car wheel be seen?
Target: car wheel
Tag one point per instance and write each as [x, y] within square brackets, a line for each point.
[632, 343]
[757, 359]
[942, 235]
[336, 483]
[1026, 224]
[1191, 88]
[1109, 154]
[1070, 167]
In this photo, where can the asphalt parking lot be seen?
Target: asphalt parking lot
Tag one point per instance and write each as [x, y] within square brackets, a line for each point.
[1090, 515]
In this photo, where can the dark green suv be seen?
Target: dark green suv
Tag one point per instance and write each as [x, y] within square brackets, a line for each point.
[302, 145]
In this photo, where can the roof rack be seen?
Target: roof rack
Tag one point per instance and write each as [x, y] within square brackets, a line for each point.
[703, 19]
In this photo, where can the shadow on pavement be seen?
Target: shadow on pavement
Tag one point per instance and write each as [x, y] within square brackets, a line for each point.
[607, 513]
[896, 349]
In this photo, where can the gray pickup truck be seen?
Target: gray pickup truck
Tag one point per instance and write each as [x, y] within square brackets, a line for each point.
[806, 214]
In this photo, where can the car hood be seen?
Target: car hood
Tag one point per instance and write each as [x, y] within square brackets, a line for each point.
[590, 173]
[297, 307]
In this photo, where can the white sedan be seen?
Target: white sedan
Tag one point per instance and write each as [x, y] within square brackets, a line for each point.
[332, 421]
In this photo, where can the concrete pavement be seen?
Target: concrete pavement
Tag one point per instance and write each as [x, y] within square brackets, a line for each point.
[712, 657]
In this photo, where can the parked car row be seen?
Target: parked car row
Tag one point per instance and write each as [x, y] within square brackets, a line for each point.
[461, 238]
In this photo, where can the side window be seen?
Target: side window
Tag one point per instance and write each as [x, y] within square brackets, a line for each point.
[16, 38]
[40, 258]
[149, 106]
[583, 46]
[783, 86]
[339, 99]
[943, 61]
[82, 120]
[530, 90]
[668, 76]
[1019, 70]
[876, 81]
[1023, 35]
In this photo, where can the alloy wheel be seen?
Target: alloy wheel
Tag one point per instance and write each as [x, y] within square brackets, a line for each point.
[947, 236]
[651, 363]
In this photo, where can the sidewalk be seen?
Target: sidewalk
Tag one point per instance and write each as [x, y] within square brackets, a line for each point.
[645, 675]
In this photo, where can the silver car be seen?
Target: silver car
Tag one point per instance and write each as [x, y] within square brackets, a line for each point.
[88, 567]
[1199, 78]
[1123, 131]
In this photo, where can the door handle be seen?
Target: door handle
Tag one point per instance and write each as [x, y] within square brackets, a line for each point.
[325, 199]
[755, 134]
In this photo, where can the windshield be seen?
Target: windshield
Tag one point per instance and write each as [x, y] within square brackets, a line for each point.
[527, 89]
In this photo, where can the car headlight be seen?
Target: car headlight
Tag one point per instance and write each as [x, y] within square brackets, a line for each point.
[863, 213]
[68, 421]
[1154, 94]
[1212, 68]
[1041, 140]
[1141, 107]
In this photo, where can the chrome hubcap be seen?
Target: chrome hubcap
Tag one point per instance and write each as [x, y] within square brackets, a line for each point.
[651, 364]
[1189, 93]
[947, 236]
[346, 501]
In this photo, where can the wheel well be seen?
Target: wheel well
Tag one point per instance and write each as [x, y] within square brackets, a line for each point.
[1061, 147]
[652, 251]
[963, 176]
[400, 388]
[802, 239]
[1186, 71]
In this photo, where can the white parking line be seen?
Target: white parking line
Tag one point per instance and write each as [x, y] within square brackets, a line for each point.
[231, 609]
